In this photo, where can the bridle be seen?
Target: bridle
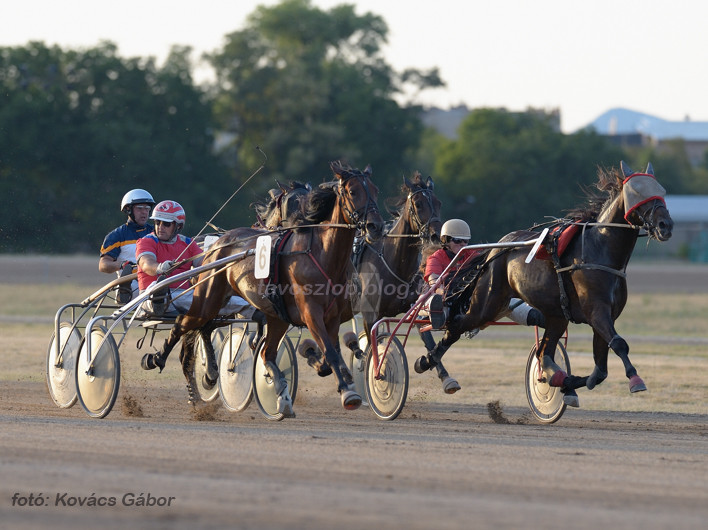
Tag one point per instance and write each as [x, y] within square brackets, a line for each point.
[356, 216]
[423, 228]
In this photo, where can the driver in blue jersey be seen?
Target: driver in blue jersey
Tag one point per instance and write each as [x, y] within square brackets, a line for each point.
[118, 249]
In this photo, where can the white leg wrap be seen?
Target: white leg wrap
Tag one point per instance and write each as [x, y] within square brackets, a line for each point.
[519, 311]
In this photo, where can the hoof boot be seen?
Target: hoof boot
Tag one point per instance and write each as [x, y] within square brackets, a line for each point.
[450, 385]
[150, 361]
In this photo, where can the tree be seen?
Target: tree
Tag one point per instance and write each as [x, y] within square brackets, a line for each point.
[508, 171]
[310, 86]
[80, 128]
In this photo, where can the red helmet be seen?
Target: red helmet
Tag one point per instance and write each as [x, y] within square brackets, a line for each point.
[169, 211]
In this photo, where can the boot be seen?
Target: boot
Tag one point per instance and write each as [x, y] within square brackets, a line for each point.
[535, 318]
[437, 312]
[125, 290]
[150, 361]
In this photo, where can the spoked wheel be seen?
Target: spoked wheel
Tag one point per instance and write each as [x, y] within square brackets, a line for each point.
[97, 380]
[263, 386]
[357, 367]
[545, 401]
[236, 370]
[387, 395]
[200, 365]
[61, 381]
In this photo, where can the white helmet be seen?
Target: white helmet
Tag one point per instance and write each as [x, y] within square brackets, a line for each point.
[136, 196]
[455, 228]
[169, 211]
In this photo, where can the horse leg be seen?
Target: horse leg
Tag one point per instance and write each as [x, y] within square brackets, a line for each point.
[621, 348]
[150, 361]
[599, 353]
[607, 332]
[187, 358]
[211, 376]
[434, 359]
[552, 373]
[308, 349]
[351, 341]
[269, 354]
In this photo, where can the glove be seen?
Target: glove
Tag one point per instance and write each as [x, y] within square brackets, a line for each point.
[164, 267]
[126, 267]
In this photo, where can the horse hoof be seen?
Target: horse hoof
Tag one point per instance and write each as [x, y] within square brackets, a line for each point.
[285, 407]
[422, 365]
[636, 384]
[571, 399]
[351, 400]
[558, 378]
[450, 385]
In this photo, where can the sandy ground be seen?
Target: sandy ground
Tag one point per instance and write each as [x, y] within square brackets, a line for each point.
[443, 463]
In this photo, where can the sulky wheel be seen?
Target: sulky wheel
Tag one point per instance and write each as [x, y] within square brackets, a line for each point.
[97, 380]
[200, 365]
[387, 395]
[236, 370]
[61, 382]
[357, 368]
[263, 387]
[545, 401]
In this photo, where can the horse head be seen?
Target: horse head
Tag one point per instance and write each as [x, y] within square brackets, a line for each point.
[283, 202]
[423, 207]
[358, 197]
[644, 202]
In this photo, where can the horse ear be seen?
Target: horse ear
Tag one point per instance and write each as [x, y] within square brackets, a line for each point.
[407, 183]
[430, 183]
[650, 169]
[626, 170]
[368, 170]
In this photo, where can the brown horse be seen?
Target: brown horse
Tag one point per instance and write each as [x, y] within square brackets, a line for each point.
[283, 203]
[586, 284]
[307, 285]
[387, 277]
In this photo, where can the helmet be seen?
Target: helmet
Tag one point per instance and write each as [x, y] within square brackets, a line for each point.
[455, 228]
[169, 211]
[136, 196]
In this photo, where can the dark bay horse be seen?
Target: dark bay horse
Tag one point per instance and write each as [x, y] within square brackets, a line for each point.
[308, 278]
[586, 284]
[386, 269]
[283, 202]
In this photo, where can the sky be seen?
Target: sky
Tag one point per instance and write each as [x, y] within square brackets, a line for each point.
[582, 58]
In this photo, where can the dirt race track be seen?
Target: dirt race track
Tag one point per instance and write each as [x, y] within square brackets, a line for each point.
[441, 464]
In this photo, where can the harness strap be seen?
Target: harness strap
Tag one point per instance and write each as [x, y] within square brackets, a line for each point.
[577, 266]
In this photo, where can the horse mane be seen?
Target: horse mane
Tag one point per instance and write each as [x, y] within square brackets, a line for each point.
[318, 204]
[607, 189]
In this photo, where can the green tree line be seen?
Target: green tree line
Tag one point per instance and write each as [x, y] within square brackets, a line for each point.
[79, 128]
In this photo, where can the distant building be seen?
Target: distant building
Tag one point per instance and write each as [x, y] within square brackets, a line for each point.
[690, 235]
[629, 128]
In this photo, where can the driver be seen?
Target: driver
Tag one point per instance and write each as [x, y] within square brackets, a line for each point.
[118, 249]
[454, 236]
[164, 252]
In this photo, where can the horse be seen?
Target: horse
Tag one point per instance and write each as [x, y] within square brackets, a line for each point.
[283, 203]
[387, 272]
[307, 286]
[585, 285]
